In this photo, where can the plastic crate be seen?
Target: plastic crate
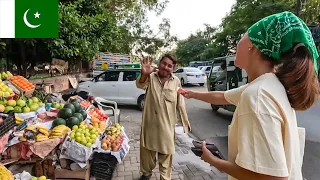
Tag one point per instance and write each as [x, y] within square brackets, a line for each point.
[8, 123]
[103, 166]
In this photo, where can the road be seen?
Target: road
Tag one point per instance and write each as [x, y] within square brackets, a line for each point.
[207, 125]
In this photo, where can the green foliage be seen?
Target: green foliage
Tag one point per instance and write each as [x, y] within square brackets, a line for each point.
[196, 46]
[243, 14]
[2, 48]
[81, 35]
[310, 12]
[87, 27]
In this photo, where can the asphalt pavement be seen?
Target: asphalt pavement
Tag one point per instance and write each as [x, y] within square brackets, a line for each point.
[213, 127]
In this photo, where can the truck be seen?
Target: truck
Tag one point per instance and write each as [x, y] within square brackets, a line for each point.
[105, 61]
[235, 77]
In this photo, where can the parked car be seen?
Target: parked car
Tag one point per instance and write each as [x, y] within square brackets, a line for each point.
[206, 70]
[116, 85]
[191, 75]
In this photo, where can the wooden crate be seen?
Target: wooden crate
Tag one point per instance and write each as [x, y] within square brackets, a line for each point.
[68, 174]
[27, 93]
[45, 168]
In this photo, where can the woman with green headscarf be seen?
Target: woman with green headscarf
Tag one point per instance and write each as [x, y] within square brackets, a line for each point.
[279, 56]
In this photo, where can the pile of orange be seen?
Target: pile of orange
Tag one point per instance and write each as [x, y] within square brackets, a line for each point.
[21, 82]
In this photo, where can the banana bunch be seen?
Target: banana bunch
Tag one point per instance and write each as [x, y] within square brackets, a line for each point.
[41, 137]
[37, 133]
[59, 131]
[31, 128]
[22, 138]
[114, 130]
[18, 120]
[43, 130]
[5, 174]
[43, 133]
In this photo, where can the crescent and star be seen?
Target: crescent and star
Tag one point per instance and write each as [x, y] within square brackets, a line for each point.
[37, 15]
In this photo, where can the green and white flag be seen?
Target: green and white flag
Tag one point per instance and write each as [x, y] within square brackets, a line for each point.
[29, 19]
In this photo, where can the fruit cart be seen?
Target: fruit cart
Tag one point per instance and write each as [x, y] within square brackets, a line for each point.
[34, 130]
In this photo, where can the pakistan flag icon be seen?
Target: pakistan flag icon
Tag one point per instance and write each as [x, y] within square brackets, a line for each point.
[36, 19]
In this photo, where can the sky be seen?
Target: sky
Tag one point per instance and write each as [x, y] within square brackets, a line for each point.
[187, 16]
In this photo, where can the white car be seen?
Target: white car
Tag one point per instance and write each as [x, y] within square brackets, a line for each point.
[206, 69]
[191, 75]
[116, 85]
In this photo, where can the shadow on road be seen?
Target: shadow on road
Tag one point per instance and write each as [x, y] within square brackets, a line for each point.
[223, 114]
[129, 107]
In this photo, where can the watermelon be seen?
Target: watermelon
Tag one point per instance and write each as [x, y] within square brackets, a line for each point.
[58, 121]
[84, 114]
[79, 116]
[73, 100]
[70, 106]
[77, 106]
[72, 121]
[65, 113]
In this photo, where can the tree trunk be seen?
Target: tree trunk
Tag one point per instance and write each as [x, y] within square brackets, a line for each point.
[23, 59]
[81, 66]
[298, 7]
[9, 51]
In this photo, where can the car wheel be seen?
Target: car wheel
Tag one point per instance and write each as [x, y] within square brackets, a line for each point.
[182, 81]
[214, 107]
[201, 84]
[141, 102]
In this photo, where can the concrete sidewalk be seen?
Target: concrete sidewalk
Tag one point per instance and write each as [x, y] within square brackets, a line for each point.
[186, 166]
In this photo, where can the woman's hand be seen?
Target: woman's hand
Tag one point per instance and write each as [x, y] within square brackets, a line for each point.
[207, 156]
[187, 94]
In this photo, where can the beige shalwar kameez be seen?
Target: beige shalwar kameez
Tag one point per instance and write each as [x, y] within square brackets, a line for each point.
[162, 107]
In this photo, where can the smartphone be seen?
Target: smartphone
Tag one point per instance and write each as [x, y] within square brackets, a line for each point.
[197, 149]
[198, 152]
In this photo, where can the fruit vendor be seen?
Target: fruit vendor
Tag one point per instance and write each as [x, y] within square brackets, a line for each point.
[162, 106]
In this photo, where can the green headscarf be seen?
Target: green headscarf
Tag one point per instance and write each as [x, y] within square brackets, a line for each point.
[278, 33]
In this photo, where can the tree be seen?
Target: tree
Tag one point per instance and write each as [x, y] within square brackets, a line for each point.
[310, 12]
[87, 27]
[195, 47]
[243, 14]
[149, 43]
[81, 35]
[132, 15]
[2, 48]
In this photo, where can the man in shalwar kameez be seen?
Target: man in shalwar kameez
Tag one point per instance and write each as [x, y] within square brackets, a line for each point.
[163, 106]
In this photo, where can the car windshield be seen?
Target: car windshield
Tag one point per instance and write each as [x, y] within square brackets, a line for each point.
[215, 68]
[193, 70]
